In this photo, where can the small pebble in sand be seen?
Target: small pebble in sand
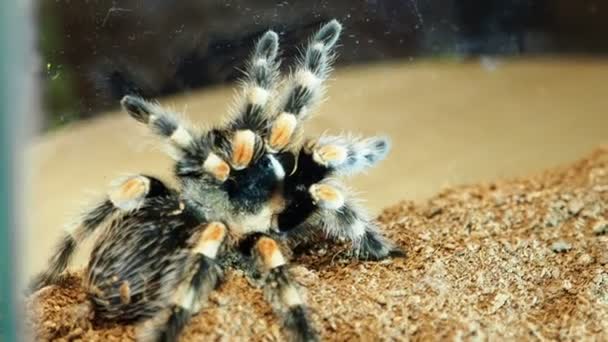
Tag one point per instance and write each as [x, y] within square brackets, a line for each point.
[560, 246]
[586, 259]
[600, 227]
[575, 206]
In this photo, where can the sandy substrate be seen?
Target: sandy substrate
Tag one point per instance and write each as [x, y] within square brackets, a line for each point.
[519, 259]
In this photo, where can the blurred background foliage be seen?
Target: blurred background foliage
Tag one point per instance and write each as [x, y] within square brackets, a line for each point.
[95, 51]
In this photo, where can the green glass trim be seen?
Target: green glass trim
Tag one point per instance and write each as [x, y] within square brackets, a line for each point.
[11, 48]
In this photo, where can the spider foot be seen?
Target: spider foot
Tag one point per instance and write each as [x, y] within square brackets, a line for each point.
[374, 246]
[296, 320]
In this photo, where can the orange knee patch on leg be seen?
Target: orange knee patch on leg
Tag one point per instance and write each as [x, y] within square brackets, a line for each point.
[128, 195]
[221, 171]
[215, 231]
[217, 167]
[270, 253]
[243, 146]
[330, 155]
[282, 131]
[135, 187]
[211, 239]
[327, 196]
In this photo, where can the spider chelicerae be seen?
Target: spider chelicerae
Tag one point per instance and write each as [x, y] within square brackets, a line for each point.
[249, 191]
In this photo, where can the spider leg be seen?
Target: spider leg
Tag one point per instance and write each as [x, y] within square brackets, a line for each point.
[163, 123]
[338, 215]
[127, 195]
[347, 155]
[202, 276]
[304, 87]
[280, 289]
[258, 85]
[251, 116]
[190, 151]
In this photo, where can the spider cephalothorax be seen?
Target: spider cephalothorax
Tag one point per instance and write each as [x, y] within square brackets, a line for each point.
[248, 189]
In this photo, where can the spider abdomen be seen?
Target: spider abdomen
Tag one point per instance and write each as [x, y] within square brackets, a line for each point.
[139, 259]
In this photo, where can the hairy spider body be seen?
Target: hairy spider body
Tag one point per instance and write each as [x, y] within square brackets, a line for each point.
[248, 191]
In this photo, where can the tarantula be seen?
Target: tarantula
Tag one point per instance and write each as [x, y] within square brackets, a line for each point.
[249, 190]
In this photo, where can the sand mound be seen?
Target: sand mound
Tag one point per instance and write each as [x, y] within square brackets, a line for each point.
[520, 259]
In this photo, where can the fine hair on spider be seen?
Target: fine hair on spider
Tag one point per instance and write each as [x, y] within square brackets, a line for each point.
[248, 190]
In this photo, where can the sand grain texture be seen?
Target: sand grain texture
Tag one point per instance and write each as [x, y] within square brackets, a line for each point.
[518, 259]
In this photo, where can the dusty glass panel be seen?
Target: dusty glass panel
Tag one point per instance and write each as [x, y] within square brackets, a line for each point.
[476, 98]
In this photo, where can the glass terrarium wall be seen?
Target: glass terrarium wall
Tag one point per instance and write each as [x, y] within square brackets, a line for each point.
[95, 52]
[467, 91]
[19, 100]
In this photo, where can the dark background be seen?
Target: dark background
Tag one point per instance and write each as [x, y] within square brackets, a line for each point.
[94, 52]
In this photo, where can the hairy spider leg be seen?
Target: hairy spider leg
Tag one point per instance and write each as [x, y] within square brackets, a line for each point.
[127, 194]
[203, 275]
[304, 88]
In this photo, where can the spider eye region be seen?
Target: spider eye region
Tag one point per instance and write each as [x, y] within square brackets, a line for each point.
[256, 184]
